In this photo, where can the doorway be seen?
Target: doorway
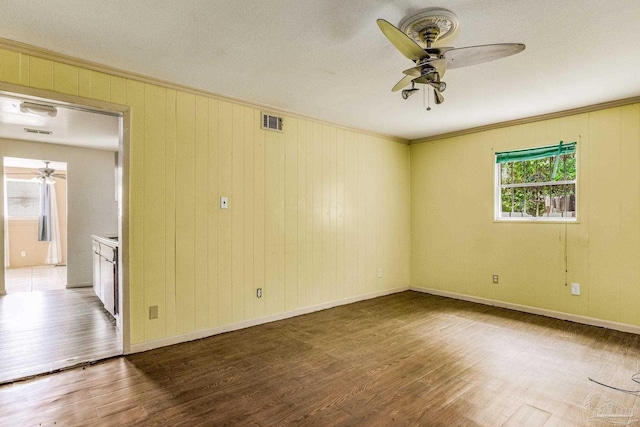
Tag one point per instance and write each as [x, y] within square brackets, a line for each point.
[84, 146]
[35, 226]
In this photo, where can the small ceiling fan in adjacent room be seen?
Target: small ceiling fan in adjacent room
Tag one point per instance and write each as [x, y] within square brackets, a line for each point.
[416, 38]
[47, 173]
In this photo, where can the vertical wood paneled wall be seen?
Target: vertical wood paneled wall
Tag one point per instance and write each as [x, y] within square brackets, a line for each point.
[457, 247]
[313, 213]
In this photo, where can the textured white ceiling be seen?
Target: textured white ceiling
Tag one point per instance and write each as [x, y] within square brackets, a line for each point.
[328, 60]
[70, 126]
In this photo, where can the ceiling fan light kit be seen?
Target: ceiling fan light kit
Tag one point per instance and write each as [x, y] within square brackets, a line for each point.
[415, 39]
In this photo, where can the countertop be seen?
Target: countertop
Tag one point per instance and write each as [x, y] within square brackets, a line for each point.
[108, 240]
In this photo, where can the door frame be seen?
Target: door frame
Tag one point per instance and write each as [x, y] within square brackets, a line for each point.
[123, 156]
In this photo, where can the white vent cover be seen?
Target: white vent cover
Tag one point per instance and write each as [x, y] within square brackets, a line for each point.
[271, 122]
[38, 131]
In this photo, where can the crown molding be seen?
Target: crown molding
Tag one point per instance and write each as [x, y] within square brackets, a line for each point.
[50, 55]
[532, 119]
[77, 62]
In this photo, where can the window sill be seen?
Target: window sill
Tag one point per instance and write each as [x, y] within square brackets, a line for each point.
[536, 221]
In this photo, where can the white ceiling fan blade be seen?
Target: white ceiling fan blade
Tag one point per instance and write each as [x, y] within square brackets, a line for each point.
[472, 55]
[401, 41]
[404, 82]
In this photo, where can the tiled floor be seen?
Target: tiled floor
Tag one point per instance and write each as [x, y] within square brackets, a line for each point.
[38, 278]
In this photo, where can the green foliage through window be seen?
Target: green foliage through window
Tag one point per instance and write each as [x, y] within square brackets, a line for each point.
[530, 188]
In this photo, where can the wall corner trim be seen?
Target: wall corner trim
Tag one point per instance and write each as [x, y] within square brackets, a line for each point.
[591, 321]
[204, 333]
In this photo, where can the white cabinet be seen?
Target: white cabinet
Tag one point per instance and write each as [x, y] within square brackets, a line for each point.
[105, 272]
[96, 269]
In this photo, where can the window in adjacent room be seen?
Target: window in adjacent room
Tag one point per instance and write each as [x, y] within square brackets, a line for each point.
[537, 184]
[23, 198]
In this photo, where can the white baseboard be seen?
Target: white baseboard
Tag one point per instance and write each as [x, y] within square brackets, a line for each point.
[177, 339]
[623, 327]
[79, 285]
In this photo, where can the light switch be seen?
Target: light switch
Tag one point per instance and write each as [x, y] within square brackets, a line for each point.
[224, 203]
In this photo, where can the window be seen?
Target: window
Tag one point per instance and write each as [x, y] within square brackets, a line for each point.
[23, 198]
[537, 184]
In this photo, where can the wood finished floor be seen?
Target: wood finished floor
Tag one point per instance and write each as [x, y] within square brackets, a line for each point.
[49, 330]
[405, 359]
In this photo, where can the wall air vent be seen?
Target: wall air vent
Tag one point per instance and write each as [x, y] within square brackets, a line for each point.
[270, 122]
[38, 131]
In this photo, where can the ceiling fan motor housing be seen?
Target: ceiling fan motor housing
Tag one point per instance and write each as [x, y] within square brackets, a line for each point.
[430, 25]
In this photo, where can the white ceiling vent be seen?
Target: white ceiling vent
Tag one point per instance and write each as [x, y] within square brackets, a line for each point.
[38, 131]
[271, 122]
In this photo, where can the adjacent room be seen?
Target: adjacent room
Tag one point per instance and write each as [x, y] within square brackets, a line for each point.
[320, 213]
[59, 190]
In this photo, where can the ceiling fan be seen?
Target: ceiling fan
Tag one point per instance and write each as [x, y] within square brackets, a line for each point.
[47, 172]
[415, 41]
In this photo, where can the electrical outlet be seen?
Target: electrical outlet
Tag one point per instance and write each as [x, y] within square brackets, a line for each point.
[153, 312]
[224, 202]
[23, 253]
[379, 272]
[575, 289]
[259, 293]
[495, 279]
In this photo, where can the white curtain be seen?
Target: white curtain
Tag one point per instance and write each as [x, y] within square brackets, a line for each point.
[44, 220]
[6, 227]
[48, 225]
[54, 254]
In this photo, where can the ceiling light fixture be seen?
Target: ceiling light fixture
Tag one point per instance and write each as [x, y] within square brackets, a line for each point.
[408, 92]
[39, 109]
[440, 86]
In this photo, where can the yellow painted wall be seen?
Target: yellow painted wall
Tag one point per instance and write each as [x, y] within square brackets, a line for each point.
[456, 246]
[314, 211]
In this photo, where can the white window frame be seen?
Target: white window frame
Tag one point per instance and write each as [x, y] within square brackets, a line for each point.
[498, 186]
[13, 217]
